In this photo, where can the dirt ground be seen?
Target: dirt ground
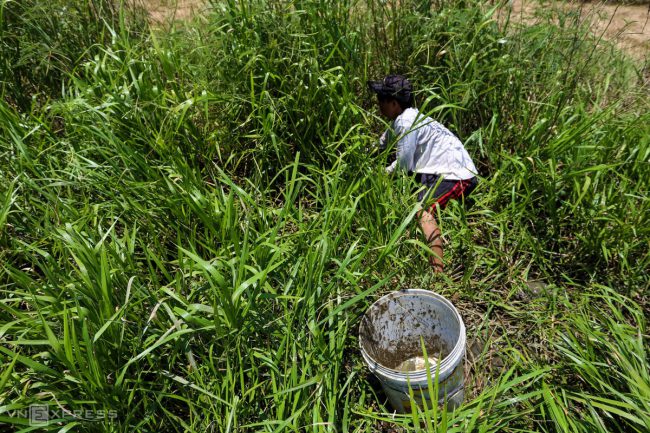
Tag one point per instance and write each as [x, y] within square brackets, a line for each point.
[627, 24]
[162, 11]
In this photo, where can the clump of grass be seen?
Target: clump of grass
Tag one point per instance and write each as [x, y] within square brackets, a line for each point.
[605, 348]
[43, 42]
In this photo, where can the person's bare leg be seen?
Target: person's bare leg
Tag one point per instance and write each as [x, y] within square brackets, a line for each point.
[434, 238]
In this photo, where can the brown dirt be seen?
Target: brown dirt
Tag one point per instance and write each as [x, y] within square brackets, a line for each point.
[626, 24]
[165, 11]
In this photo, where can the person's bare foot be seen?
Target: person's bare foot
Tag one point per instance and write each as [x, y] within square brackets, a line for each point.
[436, 265]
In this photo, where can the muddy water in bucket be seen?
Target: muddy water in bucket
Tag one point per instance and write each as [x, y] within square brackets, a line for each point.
[391, 336]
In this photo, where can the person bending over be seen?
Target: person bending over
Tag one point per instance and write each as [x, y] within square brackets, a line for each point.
[427, 150]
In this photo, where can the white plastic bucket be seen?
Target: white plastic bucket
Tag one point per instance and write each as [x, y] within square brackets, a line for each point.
[391, 335]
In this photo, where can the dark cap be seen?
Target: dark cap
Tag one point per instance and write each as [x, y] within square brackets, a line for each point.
[395, 86]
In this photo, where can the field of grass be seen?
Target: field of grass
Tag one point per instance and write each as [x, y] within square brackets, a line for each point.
[192, 225]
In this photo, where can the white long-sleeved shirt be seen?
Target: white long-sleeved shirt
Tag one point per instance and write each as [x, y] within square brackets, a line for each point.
[426, 146]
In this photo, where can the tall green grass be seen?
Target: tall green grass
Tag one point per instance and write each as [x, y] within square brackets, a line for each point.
[192, 223]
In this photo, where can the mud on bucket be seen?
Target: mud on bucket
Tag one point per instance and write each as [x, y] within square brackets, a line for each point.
[391, 336]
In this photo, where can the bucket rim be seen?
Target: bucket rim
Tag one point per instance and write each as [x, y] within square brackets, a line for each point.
[447, 364]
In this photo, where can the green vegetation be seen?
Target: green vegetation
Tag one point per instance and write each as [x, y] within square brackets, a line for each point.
[191, 224]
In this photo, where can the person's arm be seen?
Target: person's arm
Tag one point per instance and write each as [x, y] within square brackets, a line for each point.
[383, 141]
[385, 138]
[406, 144]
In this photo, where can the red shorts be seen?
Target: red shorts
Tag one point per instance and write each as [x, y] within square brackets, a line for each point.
[440, 191]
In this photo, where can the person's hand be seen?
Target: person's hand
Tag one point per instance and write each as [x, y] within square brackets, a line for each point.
[383, 141]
